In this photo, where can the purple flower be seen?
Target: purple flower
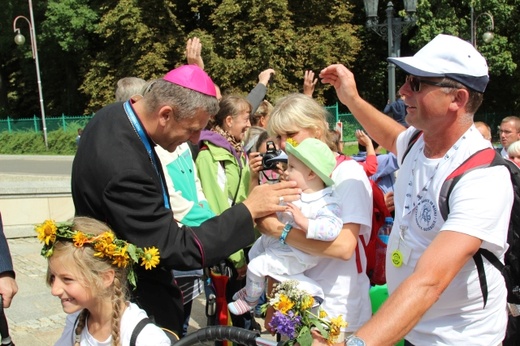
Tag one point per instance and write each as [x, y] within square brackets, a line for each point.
[287, 325]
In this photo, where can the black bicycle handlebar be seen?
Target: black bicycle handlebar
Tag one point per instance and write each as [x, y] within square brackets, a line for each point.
[221, 333]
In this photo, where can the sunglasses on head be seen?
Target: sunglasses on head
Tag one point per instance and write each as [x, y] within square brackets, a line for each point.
[415, 83]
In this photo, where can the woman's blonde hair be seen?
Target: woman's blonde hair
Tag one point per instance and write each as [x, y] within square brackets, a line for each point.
[90, 268]
[295, 112]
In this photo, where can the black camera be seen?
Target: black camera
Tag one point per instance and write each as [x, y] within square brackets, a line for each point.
[272, 156]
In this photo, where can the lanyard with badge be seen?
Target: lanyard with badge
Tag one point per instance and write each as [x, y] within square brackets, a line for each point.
[401, 253]
[144, 139]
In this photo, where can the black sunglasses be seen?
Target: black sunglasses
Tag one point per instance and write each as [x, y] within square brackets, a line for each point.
[415, 83]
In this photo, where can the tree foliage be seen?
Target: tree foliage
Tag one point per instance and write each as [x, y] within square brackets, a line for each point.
[85, 46]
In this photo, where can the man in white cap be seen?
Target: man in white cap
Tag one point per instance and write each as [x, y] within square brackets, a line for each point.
[435, 296]
[117, 178]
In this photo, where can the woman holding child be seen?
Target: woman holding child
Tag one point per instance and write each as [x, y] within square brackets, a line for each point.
[341, 269]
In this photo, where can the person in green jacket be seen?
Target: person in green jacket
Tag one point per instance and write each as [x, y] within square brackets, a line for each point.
[224, 172]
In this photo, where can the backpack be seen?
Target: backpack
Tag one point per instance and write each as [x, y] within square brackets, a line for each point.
[139, 327]
[379, 213]
[510, 270]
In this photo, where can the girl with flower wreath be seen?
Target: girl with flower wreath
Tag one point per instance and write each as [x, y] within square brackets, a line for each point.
[88, 270]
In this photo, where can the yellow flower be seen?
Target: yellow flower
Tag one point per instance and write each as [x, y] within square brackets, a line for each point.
[121, 260]
[292, 142]
[150, 258]
[118, 254]
[112, 250]
[47, 232]
[323, 313]
[307, 302]
[79, 239]
[120, 251]
[100, 248]
[108, 237]
[335, 329]
[284, 304]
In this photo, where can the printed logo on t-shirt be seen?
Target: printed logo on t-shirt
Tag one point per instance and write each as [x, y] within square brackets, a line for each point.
[426, 215]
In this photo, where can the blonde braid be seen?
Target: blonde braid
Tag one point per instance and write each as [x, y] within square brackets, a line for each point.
[118, 296]
[82, 319]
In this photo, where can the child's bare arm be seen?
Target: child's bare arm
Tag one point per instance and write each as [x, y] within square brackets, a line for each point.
[300, 220]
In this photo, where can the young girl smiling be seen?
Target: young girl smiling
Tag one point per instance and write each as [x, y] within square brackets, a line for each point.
[88, 270]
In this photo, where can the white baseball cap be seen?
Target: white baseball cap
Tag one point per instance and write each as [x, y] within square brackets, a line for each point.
[450, 57]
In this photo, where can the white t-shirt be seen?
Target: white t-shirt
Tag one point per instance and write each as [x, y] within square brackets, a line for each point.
[346, 290]
[150, 335]
[504, 153]
[479, 206]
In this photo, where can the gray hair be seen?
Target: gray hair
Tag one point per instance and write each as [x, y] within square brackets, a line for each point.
[184, 101]
[128, 87]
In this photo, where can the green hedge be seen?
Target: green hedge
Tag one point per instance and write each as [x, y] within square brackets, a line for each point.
[60, 143]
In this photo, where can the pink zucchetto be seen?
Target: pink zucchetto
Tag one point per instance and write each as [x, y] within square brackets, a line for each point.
[192, 77]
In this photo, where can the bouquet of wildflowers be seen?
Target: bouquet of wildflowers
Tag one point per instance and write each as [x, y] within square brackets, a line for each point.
[295, 315]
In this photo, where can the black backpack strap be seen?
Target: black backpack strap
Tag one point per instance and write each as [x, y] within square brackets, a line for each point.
[492, 259]
[413, 139]
[477, 257]
[138, 328]
[479, 263]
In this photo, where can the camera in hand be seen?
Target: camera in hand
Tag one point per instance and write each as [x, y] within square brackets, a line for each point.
[272, 156]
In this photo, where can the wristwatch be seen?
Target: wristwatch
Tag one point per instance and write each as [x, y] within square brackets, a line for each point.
[353, 340]
[287, 228]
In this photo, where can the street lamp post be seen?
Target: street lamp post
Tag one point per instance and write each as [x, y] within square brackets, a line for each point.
[488, 35]
[392, 28]
[19, 39]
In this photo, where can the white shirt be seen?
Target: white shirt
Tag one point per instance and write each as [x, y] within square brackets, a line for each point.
[346, 290]
[504, 153]
[150, 335]
[479, 206]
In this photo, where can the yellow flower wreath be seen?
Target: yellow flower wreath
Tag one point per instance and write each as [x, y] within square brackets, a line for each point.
[106, 245]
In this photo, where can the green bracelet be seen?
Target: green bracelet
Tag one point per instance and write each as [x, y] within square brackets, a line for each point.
[287, 228]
